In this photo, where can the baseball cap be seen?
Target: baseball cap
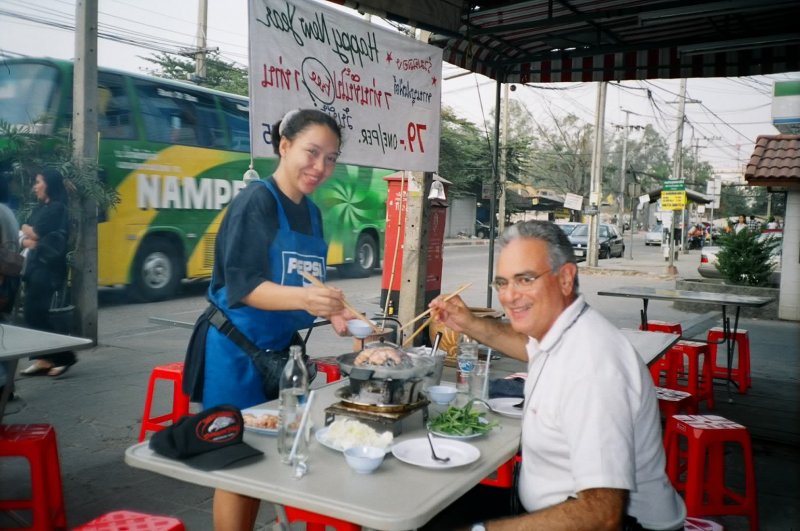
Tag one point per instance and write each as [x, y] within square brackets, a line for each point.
[209, 440]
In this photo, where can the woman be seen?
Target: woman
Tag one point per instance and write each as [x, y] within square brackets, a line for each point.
[741, 224]
[45, 236]
[270, 233]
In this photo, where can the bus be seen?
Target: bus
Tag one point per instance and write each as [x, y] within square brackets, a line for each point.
[176, 154]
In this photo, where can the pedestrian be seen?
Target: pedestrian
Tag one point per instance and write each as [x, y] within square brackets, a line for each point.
[754, 225]
[741, 224]
[9, 236]
[270, 233]
[592, 453]
[45, 236]
[771, 223]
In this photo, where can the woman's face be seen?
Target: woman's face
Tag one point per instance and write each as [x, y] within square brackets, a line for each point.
[307, 160]
[40, 189]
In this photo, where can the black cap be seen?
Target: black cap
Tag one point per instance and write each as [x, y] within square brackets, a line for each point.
[209, 440]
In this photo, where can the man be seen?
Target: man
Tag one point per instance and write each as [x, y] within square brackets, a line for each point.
[754, 225]
[591, 441]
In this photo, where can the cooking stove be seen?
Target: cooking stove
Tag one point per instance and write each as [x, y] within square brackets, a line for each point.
[381, 419]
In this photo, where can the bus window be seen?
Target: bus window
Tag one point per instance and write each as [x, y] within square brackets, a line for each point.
[175, 115]
[29, 94]
[237, 118]
[113, 109]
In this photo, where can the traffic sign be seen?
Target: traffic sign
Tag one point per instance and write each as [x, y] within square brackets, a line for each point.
[674, 185]
[673, 200]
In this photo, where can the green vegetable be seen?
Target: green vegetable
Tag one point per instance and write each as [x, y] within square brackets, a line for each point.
[461, 421]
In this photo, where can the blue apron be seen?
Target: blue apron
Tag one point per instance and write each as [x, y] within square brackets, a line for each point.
[230, 375]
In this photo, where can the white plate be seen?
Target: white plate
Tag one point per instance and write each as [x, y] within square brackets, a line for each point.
[258, 412]
[418, 452]
[322, 437]
[460, 437]
[505, 407]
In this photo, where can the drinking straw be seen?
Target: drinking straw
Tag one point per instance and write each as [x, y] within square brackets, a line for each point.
[485, 391]
[302, 428]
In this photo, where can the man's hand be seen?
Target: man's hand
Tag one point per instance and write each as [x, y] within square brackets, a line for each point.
[454, 314]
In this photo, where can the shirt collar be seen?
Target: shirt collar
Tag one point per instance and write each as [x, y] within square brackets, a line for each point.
[560, 326]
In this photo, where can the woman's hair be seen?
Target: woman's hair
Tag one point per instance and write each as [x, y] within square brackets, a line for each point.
[55, 184]
[295, 121]
[559, 248]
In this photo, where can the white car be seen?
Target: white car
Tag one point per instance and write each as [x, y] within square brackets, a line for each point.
[654, 237]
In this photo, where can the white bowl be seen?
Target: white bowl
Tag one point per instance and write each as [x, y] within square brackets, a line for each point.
[442, 394]
[359, 328]
[364, 459]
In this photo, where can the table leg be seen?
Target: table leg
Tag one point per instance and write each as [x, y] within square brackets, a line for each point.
[731, 344]
[643, 314]
[11, 367]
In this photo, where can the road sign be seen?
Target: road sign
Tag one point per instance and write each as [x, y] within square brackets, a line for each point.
[674, 185]
[673, 200]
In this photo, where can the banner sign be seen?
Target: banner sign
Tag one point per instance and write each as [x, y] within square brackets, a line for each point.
[383, 88]
[573, 201]
[673, 200]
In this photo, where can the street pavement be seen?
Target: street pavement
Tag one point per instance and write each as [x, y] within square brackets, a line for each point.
[97, 406]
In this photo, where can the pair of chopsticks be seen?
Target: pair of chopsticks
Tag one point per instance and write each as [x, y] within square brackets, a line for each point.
[317, 282]
[429, 319]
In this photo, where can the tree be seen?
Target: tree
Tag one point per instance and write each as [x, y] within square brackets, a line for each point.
[465, 154]
[220, 75]
[745, 258]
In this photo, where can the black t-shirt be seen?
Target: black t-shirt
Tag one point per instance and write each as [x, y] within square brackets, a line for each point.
[241, 255]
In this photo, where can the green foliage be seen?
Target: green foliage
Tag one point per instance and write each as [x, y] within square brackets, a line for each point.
[744, 258]
[220, 75]
[465, 154]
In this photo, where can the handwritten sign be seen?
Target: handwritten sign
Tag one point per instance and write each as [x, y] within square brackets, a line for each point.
[383, 88]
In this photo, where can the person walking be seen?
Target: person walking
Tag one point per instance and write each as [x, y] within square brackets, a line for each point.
[270, 234]
[592, 453]
[754, 225]
[741, 224]
[45, 236]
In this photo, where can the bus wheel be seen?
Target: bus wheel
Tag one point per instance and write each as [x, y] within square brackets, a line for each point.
[366, 258]
[156, 273]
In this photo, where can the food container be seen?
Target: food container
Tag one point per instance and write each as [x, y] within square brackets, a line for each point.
[450, 338]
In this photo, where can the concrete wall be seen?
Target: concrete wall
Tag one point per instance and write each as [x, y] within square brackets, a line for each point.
[789, 308]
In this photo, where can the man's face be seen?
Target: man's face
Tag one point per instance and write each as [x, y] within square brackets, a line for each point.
[533, 307]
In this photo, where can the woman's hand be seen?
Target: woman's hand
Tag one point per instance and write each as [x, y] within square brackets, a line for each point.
[323, 301]
[28, 232]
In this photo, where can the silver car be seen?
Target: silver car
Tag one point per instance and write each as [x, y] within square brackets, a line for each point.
[654, 237]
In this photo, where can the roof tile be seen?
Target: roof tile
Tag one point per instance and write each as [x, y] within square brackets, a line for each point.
[775, 157]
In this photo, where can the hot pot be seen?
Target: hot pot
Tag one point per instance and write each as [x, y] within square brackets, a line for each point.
[385, 385]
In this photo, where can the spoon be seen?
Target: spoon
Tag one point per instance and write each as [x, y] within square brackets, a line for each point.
[433, 452]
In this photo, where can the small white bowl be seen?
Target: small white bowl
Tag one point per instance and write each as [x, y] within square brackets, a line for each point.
[364, 459]
[442, 394]
[359, 328]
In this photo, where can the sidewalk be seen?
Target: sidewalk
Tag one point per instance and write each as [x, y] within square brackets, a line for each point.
[96, 409]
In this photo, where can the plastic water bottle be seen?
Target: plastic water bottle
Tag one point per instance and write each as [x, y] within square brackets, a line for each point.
[293, 395]
[466, 359]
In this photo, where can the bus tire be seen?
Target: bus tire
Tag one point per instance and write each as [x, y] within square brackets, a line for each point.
[156, 272]
[366, 258]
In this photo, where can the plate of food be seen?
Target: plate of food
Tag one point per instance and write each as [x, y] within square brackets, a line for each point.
[418, 452]
[261, 421]
[508, 407]
[346, 433]
[461, 423]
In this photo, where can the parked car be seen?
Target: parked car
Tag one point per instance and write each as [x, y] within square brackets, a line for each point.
[568, 226]
[609, 239]
[708, 260]
[482, 229]
[654, 236]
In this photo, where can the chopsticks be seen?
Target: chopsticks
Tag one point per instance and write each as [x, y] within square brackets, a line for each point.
[317, 282]
[429, 319]
[426, 312]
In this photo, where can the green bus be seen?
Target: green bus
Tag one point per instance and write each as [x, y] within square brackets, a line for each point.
[176, 153]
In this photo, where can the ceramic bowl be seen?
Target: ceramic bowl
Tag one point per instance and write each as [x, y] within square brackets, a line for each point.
[442, 394]
[364, 459]
[358, 328]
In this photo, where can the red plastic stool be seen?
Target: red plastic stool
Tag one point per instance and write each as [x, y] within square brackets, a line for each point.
[674, 402]
[740, 372]
[698, 524]
[504, 476]
[330, 367]
[36, 443]
[696, 372]
[699, 471]
[180, 401]
[131, 521]
[318, 522]
[663, 326]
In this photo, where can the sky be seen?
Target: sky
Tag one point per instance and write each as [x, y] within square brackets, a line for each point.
[724, 117]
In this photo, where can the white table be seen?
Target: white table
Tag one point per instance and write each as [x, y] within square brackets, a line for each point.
[397, 496]
[650, 345]
[17, 342]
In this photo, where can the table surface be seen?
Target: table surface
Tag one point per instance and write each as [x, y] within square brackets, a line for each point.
[17, 342]
[650, 345]
[643, 292]
[397, 496]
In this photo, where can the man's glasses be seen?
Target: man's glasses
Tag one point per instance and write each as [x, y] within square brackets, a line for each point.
[521, 282]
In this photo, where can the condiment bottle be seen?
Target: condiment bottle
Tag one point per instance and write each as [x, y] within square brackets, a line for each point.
[466, 359]
[293, 395]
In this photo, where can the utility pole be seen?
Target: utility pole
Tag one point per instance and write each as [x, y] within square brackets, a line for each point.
[84, 128]
[200, 70]
[676, 172]
[621, 209]
[595, 192]
[503, 163]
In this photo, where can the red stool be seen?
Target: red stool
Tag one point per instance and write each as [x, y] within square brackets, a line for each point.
[674, 402]
[663, 326]
[699, 471]
[318, 522]
[36, 443]
[697, 372]
[330, 367]
[131, 521]
[504, 476]
[180, 401]
[740, 372]
[698, 524]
